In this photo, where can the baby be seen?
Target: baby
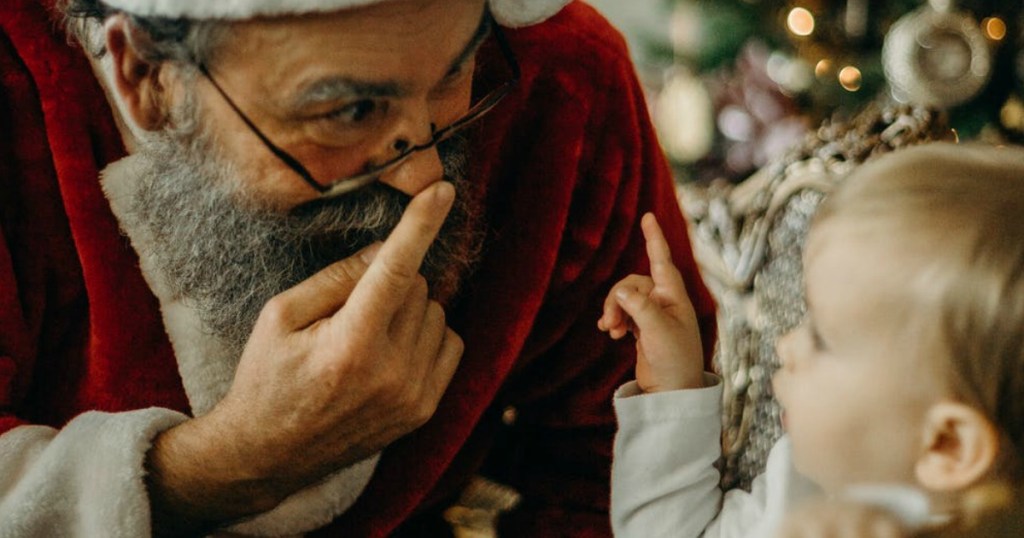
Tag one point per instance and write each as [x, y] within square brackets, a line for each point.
[902, 389]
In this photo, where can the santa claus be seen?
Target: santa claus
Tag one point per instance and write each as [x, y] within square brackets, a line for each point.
[285, 267]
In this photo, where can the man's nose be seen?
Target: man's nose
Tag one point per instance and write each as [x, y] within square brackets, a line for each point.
[416, 173]
[422, 168]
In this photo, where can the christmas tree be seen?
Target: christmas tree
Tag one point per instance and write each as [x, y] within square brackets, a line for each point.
[745, 79]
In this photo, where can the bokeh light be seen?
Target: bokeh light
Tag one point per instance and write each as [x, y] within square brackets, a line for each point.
[850, 78]
[823, 68]
[800, 21]
[994, 28]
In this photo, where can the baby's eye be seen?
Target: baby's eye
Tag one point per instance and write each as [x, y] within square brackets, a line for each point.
[816, 340]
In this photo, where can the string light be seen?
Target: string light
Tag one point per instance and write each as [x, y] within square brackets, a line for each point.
[1012, 114]
[850, 78]
[994, 28]
[823, 68]
[800, 21]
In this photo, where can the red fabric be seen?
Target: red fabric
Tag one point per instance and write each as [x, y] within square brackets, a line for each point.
[569, 163]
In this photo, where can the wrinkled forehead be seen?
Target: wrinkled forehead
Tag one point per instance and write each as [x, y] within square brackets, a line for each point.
[399, 42]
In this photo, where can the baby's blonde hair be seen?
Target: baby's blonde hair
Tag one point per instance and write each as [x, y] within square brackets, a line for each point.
[959, 209]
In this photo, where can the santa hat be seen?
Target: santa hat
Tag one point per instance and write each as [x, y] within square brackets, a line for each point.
[513, 13]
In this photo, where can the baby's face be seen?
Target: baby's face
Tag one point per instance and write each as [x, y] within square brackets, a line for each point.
[856, 380]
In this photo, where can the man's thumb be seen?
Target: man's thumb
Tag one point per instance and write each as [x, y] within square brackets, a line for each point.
[323, 294]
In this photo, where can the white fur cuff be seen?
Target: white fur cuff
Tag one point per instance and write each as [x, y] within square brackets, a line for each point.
[513, 13]
[83, 480]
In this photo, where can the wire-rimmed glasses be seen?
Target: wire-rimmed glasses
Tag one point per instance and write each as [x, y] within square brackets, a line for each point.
[347, 184]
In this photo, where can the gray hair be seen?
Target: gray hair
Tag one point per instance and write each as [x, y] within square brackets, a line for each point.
[183, 41]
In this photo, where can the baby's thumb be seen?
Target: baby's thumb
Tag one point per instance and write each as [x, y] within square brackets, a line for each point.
[646, 314]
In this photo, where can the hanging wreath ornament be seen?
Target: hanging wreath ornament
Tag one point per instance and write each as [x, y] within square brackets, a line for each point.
[936, 56]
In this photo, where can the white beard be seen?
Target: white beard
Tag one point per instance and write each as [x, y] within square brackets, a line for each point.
[207, 368]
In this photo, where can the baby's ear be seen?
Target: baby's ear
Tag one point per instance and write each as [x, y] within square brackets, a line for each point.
[959, 448]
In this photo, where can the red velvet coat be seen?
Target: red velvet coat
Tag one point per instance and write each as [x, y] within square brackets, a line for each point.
[569, 162]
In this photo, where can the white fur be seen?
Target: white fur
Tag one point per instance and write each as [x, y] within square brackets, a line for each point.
[513, 13]
[86, 479]
[207, 371]
[519, 13]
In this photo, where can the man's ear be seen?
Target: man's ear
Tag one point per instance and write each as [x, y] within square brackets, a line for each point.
[960, 447]
[136, 81]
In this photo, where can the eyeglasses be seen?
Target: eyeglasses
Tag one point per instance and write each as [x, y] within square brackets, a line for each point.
[348, 184]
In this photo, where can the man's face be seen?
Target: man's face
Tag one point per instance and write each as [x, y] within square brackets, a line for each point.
[231, 226]
[338, 90]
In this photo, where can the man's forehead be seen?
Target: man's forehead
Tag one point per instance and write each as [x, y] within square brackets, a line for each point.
[334, 87]
[377, 51]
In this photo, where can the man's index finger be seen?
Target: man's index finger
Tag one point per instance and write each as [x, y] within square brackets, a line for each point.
[382, 290]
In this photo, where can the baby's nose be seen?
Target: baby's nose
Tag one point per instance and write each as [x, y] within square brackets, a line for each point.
[784, 350]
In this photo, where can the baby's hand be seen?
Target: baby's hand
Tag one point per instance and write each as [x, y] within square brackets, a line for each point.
[658, 312]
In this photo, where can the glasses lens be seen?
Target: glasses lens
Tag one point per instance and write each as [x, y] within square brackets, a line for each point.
[496, 74]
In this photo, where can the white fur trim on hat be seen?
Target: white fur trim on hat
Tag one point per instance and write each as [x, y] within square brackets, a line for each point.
[513, 13]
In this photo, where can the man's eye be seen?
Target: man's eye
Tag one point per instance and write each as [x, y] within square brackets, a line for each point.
[356, 112]
[458, 74]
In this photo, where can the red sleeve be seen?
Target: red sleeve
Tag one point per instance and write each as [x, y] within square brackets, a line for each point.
[558, 453]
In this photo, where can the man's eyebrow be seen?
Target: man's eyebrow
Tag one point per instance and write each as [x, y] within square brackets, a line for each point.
[335, 88]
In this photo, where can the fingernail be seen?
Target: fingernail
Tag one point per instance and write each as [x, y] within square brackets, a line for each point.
[622, 294]
[370, 252]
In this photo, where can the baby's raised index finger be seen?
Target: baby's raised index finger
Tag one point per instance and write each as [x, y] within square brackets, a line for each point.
[663, 270]
[658, 251]
[382, 290]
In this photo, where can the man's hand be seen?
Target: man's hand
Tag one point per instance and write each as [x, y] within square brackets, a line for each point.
[840, 519]
[658, 312]
[336, 368]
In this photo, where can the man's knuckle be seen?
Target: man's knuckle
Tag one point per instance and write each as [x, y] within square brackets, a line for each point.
[435, 313]
[343, 364]
[343, 273]
[425, 410]
[455, 342]
[277, 312]
[419, 286]
[398, 274]
[410, 403]
[394, 383]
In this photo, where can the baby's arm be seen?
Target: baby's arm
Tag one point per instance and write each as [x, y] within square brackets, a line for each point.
[663, 478]
[664, 483]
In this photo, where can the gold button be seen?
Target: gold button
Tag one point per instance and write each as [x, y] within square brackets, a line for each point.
[509, 415]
